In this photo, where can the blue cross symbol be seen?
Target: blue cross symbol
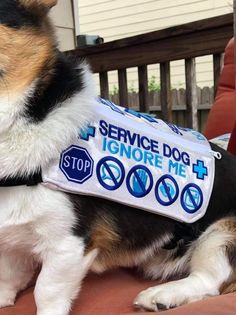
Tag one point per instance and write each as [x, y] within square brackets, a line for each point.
[88, 132]
[200, 169]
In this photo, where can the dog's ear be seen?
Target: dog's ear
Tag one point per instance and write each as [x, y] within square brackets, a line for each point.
[42, 6]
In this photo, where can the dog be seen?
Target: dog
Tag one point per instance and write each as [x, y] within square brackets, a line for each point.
[44, 100]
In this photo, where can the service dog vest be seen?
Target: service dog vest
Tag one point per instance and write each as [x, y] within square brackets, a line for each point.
[139, 161]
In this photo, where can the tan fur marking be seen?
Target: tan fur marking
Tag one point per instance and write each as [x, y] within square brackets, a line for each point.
[115, 258]
[40, 3]
[112, 251]
[229, 226]
[107, 240]
[229, 287]
[23, 55]
[104, 234]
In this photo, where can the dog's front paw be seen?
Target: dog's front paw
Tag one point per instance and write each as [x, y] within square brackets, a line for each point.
[169, 295]
[156, 299]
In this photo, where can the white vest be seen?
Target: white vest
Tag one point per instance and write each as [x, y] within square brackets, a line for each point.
[137, 160]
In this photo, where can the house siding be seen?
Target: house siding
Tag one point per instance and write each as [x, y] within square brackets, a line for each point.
[115, 19]
[62, 16]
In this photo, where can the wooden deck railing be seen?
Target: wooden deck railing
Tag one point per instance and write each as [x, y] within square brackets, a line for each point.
[205, 37]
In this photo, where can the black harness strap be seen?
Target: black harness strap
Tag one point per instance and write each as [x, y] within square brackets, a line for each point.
[30, 180]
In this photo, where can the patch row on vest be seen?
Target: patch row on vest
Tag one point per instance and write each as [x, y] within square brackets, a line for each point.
[138, 160]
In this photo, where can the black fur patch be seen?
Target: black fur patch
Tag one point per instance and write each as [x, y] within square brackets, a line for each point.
[137, 229]
[64, 83]
[12, 14]
[223, 200]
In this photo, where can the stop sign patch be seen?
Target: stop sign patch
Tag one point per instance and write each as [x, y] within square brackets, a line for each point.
[76, 164]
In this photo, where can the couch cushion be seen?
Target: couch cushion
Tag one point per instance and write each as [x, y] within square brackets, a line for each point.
[222, 116]
[112, 293]
[232, 142]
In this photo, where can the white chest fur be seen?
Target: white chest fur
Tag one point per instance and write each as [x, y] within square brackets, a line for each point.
[33, 217]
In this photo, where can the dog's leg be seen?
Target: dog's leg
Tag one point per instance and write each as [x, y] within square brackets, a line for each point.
[209, 266]
[16, 272]
[59, 281]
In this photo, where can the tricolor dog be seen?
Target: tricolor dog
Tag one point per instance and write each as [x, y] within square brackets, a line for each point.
[48, 120]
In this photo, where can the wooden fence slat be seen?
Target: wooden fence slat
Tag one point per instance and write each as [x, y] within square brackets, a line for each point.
[217, 65]
[143, 89]
[191, 93]
[205, 95]
[166, 99]
[133, 99]
[200, 93]
[123, 88]
[104, 85]
[174, 97]
[205, 99]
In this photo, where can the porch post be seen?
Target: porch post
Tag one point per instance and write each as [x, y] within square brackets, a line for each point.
[76, 16]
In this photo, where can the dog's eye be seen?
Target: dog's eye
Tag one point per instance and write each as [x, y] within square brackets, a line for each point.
[2, 72]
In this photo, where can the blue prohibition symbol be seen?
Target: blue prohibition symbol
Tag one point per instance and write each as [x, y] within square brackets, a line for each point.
[200, 169]
[191, 198]
[139, 181]
[76, 164]
[110, 173]
[167, 190]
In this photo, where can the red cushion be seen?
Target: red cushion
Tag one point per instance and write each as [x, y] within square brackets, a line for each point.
[232, 142]
[222, 116]
[112, 293]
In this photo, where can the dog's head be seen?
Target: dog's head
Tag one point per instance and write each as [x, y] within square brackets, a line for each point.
[27, 43]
